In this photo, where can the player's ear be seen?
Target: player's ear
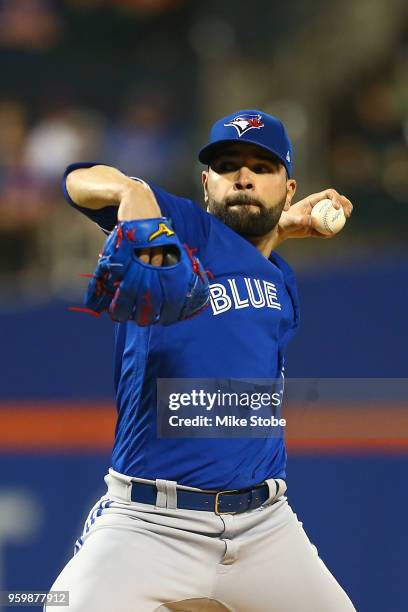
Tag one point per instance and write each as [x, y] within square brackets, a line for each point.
[290, 193]
[204, 180]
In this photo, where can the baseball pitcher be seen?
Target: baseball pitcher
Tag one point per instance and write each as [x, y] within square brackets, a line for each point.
[196, 524]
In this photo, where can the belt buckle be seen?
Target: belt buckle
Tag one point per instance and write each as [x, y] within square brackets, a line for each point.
[217, 502]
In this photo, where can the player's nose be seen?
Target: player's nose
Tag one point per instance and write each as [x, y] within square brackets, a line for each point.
[244, 180]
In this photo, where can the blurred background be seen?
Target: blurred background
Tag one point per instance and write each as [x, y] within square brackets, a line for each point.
[137, 84]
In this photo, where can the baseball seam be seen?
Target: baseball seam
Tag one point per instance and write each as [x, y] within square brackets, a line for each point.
[325, 221]
[327, 225]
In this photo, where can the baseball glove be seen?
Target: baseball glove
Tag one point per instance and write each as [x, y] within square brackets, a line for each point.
[129, 289]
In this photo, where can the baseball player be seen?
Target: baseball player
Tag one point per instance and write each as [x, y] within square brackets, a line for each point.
[189, 523]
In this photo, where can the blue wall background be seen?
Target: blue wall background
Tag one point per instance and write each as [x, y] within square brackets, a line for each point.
[353, 506]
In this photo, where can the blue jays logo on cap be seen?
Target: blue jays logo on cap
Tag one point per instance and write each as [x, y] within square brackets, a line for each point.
[254, 127]
[243, 123]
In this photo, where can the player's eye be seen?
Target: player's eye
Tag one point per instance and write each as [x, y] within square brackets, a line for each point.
[224, 166]
[263, 168]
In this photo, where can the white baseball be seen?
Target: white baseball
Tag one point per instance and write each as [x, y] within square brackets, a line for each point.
[327, 219]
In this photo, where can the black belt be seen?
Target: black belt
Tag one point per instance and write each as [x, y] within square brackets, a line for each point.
[220, 502]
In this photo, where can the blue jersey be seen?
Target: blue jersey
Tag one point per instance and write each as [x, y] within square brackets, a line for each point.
[253, 314]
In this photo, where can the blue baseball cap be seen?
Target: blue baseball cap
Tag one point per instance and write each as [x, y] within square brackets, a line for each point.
[253, 127]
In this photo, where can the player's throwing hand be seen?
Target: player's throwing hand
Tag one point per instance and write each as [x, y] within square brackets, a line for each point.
[297, 221]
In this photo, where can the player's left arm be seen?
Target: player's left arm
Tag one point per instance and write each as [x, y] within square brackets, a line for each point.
[297, 221]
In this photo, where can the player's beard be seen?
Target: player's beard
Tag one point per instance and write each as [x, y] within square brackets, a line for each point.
[244, 221]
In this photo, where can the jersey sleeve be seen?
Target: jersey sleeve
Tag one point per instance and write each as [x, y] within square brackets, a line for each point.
[190, 221]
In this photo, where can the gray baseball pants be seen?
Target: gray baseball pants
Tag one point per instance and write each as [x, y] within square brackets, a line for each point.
[136, 557]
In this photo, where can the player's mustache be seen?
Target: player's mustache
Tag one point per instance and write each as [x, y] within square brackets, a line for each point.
[243, 199]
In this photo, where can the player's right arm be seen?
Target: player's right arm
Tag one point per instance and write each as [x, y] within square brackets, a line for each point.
[101, 186]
